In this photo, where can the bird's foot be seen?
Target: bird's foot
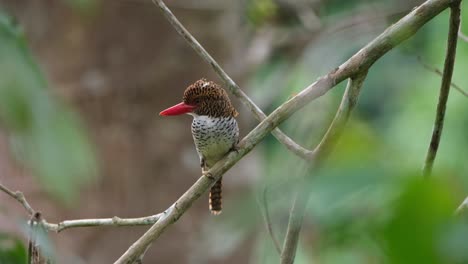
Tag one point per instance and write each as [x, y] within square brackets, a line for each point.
[206, 173]
[234, 148]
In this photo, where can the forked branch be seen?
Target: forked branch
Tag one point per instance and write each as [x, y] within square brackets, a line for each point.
[330, 138]
[231, 85]
[18, 196]
[355, 66]
[67, 224]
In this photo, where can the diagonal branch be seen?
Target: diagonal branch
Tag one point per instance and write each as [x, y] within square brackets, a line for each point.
[358, 63]
[445, 87]
[231, 85]
[335, 130]
[438, 72]
[462, 207]
[462, 36]
[19, 196]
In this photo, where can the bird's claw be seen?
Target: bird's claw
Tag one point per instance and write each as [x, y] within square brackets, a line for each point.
[234, 148]
[207, 174]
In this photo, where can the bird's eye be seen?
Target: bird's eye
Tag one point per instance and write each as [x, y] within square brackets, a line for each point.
[197, 100]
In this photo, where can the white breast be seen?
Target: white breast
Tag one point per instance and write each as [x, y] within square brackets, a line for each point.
[214, 136]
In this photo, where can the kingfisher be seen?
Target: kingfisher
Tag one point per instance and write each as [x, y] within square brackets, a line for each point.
[214, 128]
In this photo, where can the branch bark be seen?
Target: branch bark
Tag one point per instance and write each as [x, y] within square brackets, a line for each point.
[332, 135]
[445, 87]
[358, 63]
[114, 221]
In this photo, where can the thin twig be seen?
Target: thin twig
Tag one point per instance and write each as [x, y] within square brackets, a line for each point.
[231, 85]
[366, 14]
[330, 138]
[114, 221]
[358, 63]
[438, 72]
[463, 207]
[296, 217]
[67, 224]
[461, 35]
[348, 102]
[445, 87]
[19, 196]
[266, 217]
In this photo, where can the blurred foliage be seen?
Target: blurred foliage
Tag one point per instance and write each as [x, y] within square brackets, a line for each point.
[12, 250]
[260, 11]
[368, 202]
[45, 134]
[420, 215]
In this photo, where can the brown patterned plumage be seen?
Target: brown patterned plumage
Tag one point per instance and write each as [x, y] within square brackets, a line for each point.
[210, 99]
[214, 128]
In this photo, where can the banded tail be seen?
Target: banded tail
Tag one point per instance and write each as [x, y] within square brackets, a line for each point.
[216, 198]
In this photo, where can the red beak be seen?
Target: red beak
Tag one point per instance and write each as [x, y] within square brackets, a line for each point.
[177, 109]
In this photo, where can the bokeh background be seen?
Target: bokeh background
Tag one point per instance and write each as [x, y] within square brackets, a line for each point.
[82, 81]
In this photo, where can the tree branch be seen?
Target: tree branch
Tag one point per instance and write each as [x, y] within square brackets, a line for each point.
[114, 221]
[296, 217]
[266, 217]
[330, 138]
[445, 87]
[461, 35]
[18, 196]
[438, 72]
[230, 84]
[358, 63]
[463, 207]
[67, 224]
[348, 102]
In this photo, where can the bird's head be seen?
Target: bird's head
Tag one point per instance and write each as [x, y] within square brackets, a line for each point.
[203, 98]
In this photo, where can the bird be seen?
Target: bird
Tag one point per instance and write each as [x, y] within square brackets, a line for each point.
[214, 128]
